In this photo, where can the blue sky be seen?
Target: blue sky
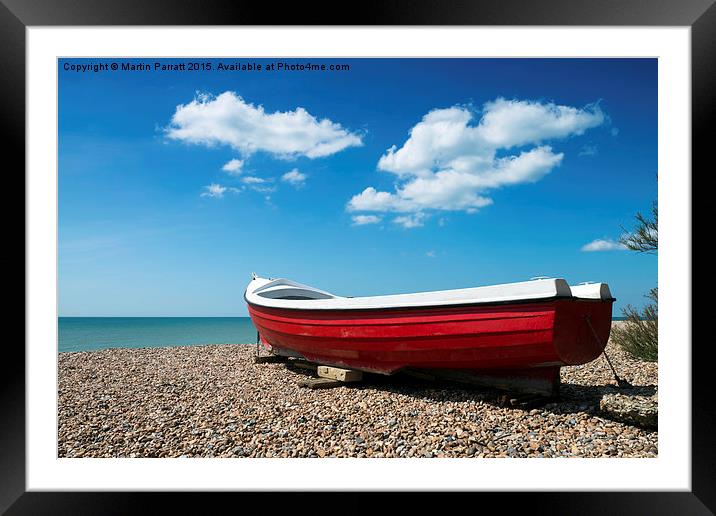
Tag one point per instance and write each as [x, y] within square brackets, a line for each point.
[393, 176]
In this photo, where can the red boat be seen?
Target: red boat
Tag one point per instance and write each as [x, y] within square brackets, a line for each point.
[515, 335]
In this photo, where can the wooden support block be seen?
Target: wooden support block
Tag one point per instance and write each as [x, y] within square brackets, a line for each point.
[342, 375]
[269, 359]
[302, 364]
[319, 383]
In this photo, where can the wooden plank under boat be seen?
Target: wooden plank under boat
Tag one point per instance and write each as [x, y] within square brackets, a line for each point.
[516, 334]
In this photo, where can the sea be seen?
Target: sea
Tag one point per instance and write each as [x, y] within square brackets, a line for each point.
[94, 333]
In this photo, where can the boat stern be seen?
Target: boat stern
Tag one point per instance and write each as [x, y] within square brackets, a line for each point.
[581, 329]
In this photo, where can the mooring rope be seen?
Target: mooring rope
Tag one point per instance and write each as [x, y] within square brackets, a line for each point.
[620, 381]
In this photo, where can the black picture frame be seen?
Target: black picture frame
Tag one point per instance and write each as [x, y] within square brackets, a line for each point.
[17, 15]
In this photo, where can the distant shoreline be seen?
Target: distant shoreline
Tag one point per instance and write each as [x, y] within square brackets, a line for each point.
[96, 333]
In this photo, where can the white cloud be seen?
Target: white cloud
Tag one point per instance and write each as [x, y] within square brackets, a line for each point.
[214, 190]
[589, 150]
[233, 167]
[603, 245]
[414, 220]
[458, 190]
[259, 184]
[362, 220]
[430, 254]
[228, 119]
[217, 191]
[615, 131]
[507, 123]
[449, 164]
[252, 180]
[294, 177]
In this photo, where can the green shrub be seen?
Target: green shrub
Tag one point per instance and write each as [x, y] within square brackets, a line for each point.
[639, 334]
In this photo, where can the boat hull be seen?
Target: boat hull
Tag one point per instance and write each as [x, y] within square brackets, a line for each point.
[500, 339]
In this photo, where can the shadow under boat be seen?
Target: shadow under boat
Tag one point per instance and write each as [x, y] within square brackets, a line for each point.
[569, 399]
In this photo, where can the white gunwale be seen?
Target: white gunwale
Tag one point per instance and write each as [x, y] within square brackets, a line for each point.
[284, 293]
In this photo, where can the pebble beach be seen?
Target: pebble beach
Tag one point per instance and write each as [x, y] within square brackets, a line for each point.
[214, 401]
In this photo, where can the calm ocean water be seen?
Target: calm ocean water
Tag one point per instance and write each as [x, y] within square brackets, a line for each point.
[92, 333]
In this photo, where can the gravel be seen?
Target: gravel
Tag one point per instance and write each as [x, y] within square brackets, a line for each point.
[213, 401]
